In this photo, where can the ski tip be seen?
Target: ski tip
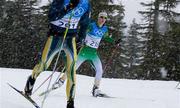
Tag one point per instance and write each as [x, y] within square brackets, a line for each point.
[41, 94]
[9, 84]
[37, 106]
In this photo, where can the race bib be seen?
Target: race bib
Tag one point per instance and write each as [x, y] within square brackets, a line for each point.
[92, 41]
[65, 21]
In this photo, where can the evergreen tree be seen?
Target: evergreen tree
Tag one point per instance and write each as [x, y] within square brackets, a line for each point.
[2, 8]
[170, 43]
[153, 49]
[2, 16]
[171, 52]
[4, 32]
[133, 52]
[20, 33]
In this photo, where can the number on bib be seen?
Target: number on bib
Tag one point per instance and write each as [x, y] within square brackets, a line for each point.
[92, 41]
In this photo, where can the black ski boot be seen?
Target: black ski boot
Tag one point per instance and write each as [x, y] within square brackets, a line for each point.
[70, 104]
[96, 92]
[95, 88]
[29, 86]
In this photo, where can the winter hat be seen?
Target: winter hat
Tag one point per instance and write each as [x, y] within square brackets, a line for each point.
[103, 14]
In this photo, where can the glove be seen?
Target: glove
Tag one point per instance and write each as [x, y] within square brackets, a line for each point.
[71, 5]
[74, 3]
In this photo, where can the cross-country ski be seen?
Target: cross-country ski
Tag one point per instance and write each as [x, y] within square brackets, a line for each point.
[25, 96]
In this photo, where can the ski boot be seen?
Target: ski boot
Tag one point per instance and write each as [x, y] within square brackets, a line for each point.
[70, 104]
[58, 84]
[96, 92]
[29, 86]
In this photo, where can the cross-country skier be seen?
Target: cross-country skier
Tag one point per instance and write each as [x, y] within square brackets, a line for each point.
[95, 32]
[62, 13]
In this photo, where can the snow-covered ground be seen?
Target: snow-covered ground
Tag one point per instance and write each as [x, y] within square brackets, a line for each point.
[128, 93]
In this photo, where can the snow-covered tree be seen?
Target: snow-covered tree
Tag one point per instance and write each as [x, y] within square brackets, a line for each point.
[133, 51]
[155, 34]
[19, 33]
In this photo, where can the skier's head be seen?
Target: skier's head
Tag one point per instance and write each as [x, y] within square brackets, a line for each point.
[102, 16]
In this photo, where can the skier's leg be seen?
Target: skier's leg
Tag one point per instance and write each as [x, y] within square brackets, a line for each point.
[80, 60]
[50, 50]
[63, 76]
[99, 71]
[71, 55]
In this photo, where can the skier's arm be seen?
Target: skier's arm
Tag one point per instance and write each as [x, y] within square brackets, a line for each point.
[109, 39]
[58, 10]
[84, 25]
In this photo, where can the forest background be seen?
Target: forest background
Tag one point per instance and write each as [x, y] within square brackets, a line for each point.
[149, 49]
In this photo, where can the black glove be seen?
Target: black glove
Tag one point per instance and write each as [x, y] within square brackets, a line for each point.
[74, 3]
[71, 5]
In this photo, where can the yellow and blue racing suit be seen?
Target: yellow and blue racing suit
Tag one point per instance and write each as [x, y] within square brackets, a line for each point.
[59, 16]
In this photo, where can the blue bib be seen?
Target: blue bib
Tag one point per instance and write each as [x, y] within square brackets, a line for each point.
[95, 35]
[76, 14]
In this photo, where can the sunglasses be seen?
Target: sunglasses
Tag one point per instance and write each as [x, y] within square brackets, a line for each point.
[103, 17]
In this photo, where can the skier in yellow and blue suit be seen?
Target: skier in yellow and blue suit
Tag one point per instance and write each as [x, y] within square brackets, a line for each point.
[62, 13]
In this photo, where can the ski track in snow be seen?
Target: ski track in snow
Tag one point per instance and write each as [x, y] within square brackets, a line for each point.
[127, 93]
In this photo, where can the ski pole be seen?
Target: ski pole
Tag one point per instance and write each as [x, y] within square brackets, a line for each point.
[45, 81]
[53, 88]
[62, 71]
[64, 37]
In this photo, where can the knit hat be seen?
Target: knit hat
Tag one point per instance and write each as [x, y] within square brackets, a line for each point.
[103, 14]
